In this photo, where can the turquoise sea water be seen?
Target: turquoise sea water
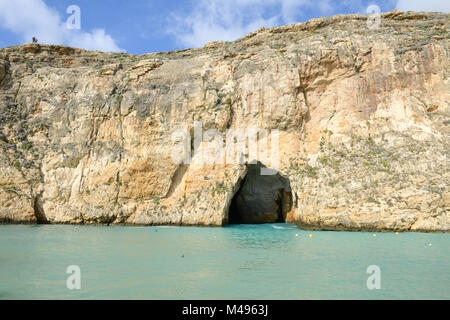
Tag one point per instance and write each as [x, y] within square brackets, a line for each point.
[235, 262]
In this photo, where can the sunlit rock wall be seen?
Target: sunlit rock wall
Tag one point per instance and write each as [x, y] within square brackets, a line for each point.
[356, 117]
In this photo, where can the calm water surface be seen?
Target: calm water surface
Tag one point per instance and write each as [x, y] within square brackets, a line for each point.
[235, 262]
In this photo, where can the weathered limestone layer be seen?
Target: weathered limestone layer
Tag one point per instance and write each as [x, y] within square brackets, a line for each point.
[362, 115]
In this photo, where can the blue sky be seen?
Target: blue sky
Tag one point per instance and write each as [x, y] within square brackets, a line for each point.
[142, 26]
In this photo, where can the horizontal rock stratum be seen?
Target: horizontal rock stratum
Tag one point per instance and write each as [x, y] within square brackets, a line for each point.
[361, 115]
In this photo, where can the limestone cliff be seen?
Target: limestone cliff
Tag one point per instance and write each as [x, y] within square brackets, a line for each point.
[362, 116]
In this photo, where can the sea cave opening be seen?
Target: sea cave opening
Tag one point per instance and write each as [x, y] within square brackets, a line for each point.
[263, 197]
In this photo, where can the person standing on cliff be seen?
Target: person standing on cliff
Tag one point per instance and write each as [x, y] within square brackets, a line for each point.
[35, 40]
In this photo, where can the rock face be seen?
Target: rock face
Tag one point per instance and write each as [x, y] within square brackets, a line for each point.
[358, 118]
[2, 70]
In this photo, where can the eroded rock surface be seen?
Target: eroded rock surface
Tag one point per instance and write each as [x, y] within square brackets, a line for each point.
[2, 70]
[362, 114]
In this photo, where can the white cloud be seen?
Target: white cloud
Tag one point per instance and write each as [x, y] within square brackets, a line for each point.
[211, 20]
[424, 5]
[30, 18]
[96, 40]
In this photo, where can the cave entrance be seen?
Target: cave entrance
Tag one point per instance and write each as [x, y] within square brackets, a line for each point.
[261, 198]
[39, 211]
